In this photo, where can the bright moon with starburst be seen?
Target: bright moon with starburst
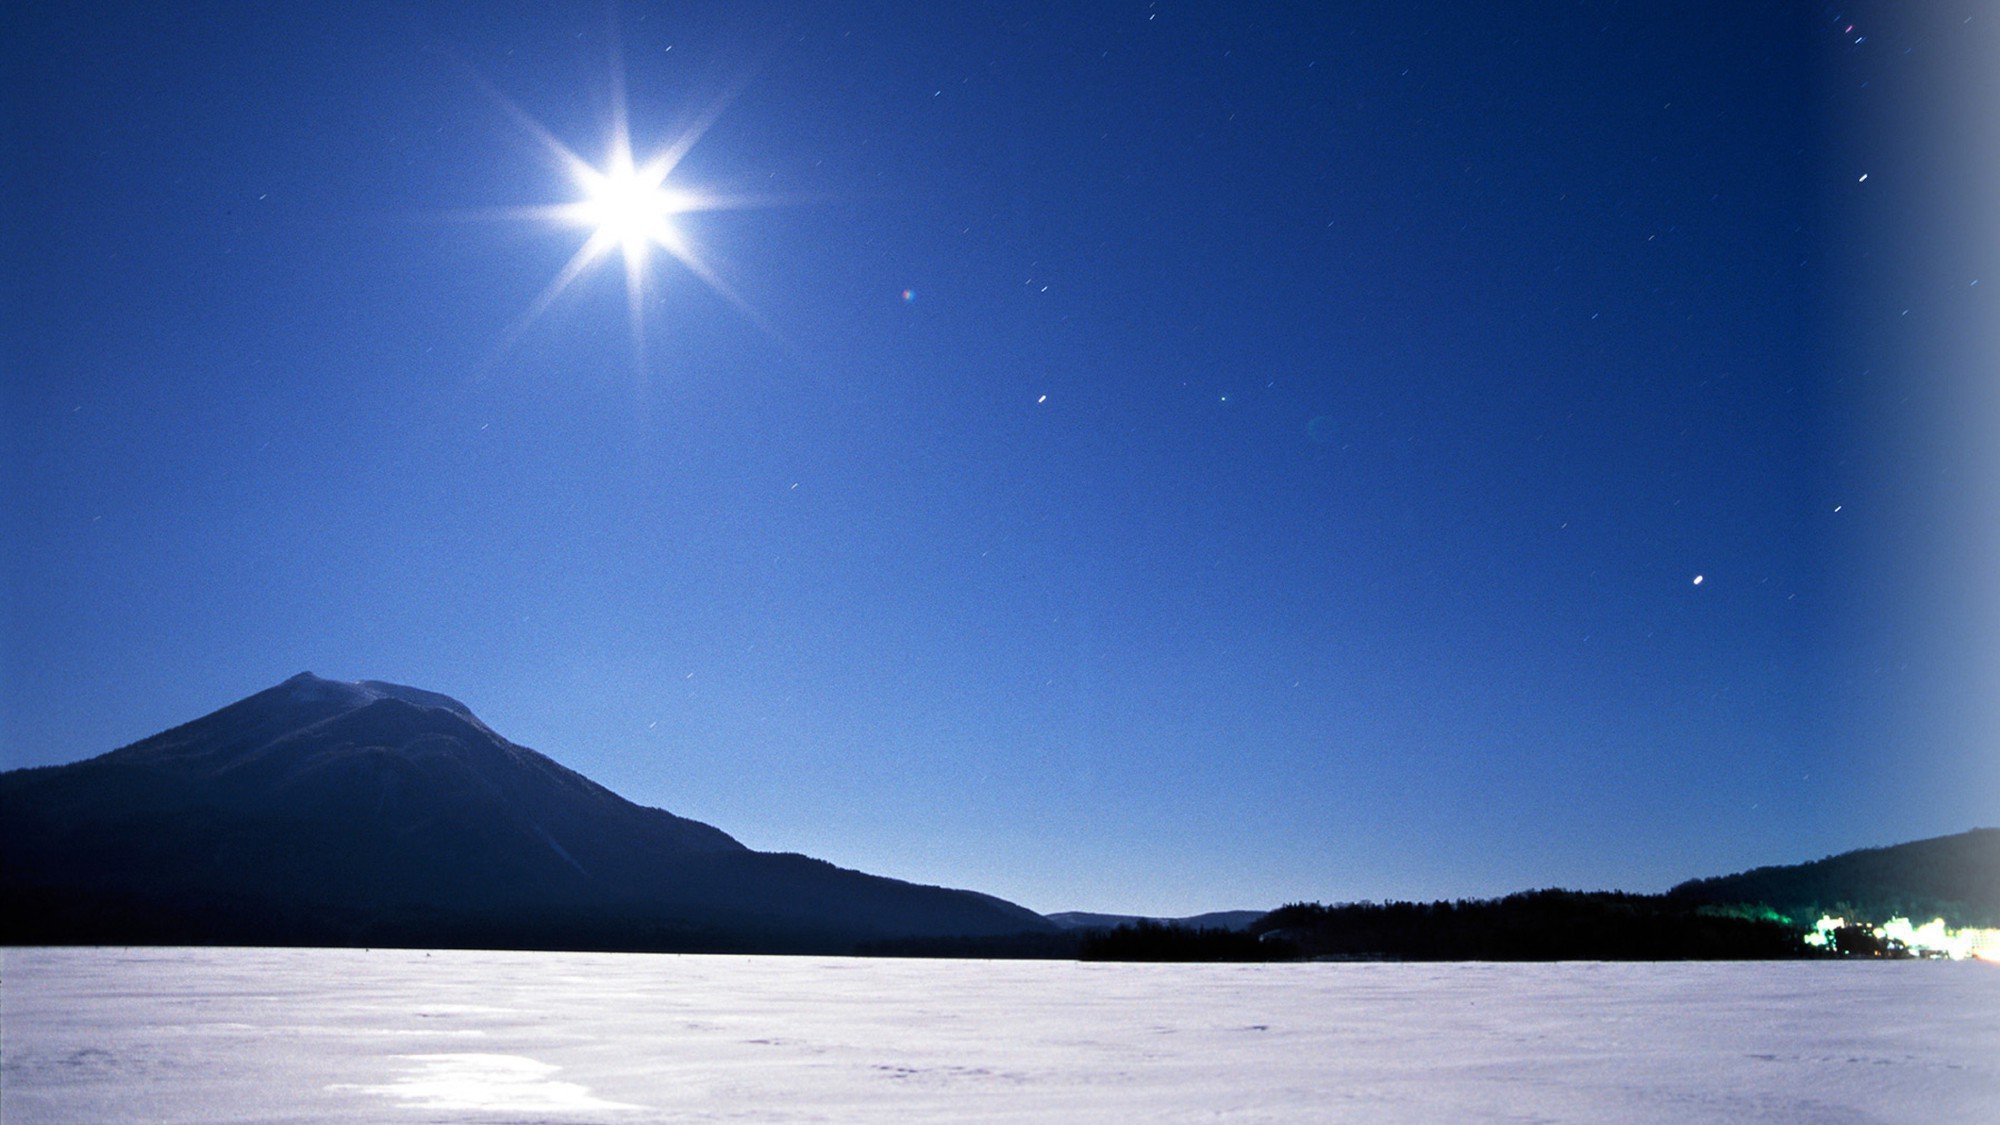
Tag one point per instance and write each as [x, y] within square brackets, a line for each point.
[628, 208]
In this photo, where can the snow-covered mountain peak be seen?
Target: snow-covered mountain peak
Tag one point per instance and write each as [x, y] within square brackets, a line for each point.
[308, 688]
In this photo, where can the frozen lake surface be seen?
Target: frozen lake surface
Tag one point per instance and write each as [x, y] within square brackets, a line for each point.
[207, 1035]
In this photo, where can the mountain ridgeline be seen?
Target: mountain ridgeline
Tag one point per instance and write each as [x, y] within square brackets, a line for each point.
[328, 813]
[344, 814]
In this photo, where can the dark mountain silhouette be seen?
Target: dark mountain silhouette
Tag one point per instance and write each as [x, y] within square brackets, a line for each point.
[327, 813]
[1956, 878]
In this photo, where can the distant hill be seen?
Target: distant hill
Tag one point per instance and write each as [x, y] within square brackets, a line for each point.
[1956, 878]
[326, 813]
[1215, 920]
[1757, 914]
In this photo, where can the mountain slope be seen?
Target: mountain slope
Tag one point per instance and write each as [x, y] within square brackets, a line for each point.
[1954, 877]
[369, 813]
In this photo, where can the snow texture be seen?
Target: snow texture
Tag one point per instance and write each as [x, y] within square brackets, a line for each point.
[210, 1035]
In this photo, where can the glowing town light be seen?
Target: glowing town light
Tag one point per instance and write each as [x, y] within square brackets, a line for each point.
[1932, 939]
[1821, 936]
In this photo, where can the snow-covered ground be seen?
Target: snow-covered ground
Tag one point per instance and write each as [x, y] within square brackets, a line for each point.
[208, 1035]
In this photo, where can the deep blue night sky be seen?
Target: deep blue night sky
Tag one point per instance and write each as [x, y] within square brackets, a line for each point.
[1165, 457]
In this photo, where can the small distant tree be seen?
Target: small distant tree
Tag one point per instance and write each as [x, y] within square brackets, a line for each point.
[1856, 940]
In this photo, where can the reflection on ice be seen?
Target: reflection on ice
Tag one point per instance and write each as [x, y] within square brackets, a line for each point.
[492, 1082]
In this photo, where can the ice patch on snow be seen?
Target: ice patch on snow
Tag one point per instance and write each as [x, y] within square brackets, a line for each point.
[509, 1083]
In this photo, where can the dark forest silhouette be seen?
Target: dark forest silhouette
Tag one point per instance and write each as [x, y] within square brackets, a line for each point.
[1547, 925]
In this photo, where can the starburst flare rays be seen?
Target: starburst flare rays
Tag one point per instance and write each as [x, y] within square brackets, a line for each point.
[625, 206]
